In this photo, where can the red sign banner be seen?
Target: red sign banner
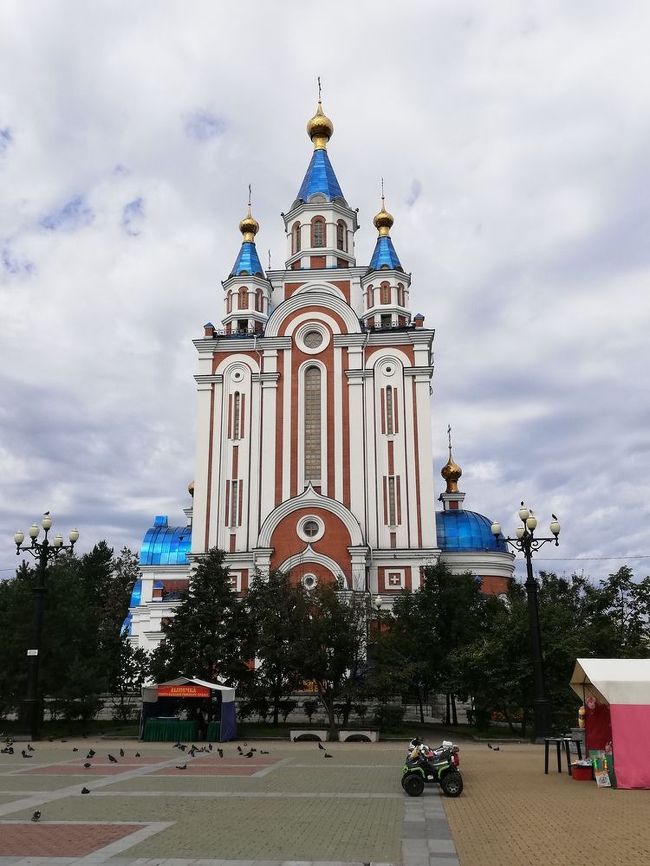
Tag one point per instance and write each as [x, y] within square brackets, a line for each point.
[185, 691]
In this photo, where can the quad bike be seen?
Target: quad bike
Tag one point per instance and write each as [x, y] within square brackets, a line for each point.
[426, 766]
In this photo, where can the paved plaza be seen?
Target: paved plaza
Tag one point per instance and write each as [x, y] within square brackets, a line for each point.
[294, 806]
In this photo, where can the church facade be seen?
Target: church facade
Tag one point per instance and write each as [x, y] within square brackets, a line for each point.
[313, 451]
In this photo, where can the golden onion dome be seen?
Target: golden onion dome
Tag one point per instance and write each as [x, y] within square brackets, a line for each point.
[383, 220]
[249, 226]
[451, 472]
[320, 128]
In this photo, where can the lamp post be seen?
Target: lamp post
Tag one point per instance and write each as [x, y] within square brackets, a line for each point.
[526, 541]
[42, 551]
[378, 602]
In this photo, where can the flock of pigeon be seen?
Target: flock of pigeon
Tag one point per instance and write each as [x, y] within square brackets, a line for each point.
[193, 750]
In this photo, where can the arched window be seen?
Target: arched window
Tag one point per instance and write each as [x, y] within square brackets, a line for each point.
[295, 238]
[236, 415]
[318, 232]
[385, 293]
[258, 300]
[229, 302]
[340, 236]
[242, 298]
[369, 297]
[390, 427]
[312, 403]
[400, 294]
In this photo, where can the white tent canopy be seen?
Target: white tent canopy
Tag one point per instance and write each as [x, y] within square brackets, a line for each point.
[150, 693]
[613, 681]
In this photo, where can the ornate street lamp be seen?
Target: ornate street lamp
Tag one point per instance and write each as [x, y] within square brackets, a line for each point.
[42, 551]
[526, 541]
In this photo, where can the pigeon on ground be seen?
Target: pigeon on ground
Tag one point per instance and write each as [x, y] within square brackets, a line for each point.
[209, 747]
[327, 755]
[87, 764]
[489, 746]
[37, 815]
[262, 752]
[25, 755]
[91, 753]
[75, 749]
[249, 754]
[112, 759]
[182, 747]
[321, 746]
[239, 749]
[85, 791]
[64, 741]
[137, 754]
[181, 766]
[496, 748]
[220, 752]
[121, 753]
[30, 748]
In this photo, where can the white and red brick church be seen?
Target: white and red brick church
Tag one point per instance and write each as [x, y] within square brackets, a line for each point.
[313, 452]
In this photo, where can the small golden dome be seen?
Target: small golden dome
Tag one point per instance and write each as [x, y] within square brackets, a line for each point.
[249, 226]
[383, 220]
[320, 128]
[451, 472]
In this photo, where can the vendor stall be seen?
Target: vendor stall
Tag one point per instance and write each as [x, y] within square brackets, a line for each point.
[187, 709]
[616, 695]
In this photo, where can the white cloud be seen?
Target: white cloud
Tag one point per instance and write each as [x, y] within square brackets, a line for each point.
[513, 140]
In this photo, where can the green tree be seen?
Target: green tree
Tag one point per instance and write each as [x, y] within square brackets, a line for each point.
[127, 677]
[210, 635]
[277, 609]
[332, 644]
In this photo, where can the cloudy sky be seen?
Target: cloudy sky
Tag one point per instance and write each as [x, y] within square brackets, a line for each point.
[514, 139]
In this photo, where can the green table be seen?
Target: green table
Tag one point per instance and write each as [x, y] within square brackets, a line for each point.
[214, 732]
[169, 731]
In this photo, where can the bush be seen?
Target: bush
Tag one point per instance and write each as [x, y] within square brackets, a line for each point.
[309, 708]
[389, 717]
[287, 707]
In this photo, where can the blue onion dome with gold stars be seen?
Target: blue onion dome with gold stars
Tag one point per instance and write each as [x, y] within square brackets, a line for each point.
[248, 262]
[384, 257]
[320, 178]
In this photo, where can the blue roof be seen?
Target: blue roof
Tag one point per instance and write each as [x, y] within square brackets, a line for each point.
[384, 255]
[166, 545]
[461, 530]
[248, 262]
[320, 178]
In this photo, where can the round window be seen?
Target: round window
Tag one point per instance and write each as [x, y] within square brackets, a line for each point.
[310, 528]
[309, 581]
[313, 339]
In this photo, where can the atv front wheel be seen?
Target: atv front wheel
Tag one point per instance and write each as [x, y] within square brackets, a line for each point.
[452, 784]
[413, 785]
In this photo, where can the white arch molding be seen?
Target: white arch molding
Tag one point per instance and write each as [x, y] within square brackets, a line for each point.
[313, 299]
[310, 499]
[309, 556]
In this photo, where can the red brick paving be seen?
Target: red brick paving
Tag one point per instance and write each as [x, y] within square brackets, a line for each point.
[59, 840]
[74, 770]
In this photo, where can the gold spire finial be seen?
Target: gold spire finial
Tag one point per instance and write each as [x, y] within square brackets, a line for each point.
[451, 471]
[383, 220]
[249, 226]
[320, 128]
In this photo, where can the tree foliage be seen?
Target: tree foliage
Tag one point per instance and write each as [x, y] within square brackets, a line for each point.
[210, 635]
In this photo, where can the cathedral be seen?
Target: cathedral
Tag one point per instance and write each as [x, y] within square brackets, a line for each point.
[313, 450]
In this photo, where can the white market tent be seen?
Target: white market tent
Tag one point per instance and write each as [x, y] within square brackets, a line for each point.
[613, 681]
[621, 686]
[226, 700]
